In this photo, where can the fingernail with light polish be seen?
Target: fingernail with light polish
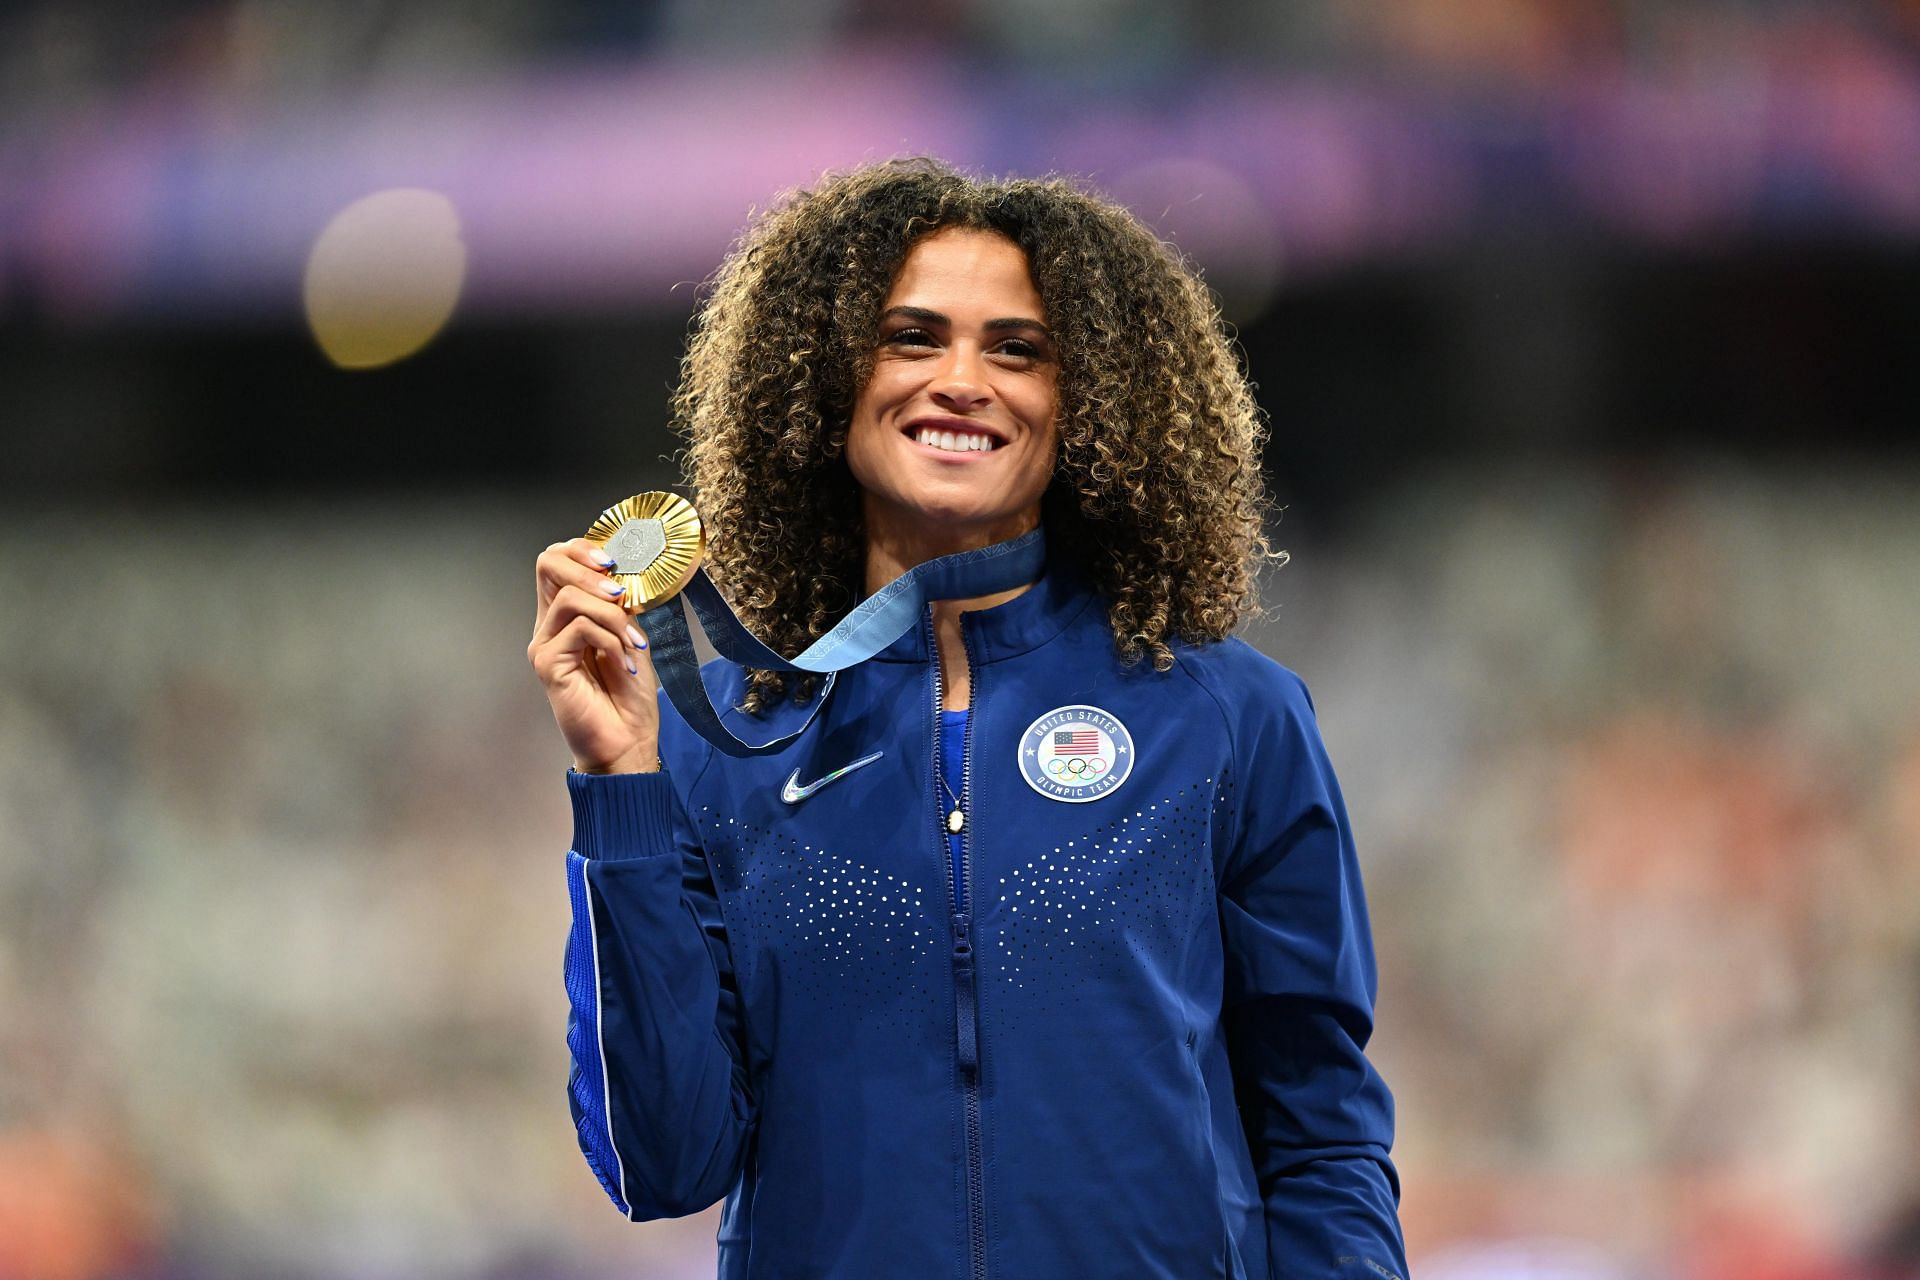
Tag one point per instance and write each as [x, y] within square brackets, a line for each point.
[635, 639]
[614, 588]
[632, 670]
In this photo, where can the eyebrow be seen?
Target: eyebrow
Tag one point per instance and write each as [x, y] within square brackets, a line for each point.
[924, 316]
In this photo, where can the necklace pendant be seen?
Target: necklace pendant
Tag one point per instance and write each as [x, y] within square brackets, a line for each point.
[956, 822]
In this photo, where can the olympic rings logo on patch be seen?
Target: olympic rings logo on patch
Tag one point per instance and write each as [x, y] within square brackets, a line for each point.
[1076, 753]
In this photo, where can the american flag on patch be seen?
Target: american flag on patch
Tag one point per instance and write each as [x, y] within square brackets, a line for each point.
[1076, 742]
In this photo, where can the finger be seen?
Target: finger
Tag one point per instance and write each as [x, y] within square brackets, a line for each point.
[573, 601]
[578, 561]
[646, 688]
[579, 644]
[631, 682]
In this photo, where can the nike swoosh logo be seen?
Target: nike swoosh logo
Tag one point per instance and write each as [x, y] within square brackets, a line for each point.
[794, 793]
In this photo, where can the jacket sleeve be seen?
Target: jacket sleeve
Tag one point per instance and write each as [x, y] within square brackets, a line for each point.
[658, 1087]
[1298, 1004]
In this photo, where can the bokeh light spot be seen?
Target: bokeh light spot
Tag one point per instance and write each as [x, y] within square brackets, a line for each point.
[384, 276]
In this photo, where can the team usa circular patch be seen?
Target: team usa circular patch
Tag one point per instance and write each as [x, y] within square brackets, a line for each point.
[1075, 754]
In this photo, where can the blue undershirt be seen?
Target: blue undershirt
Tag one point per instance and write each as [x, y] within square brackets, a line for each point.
[953, 747]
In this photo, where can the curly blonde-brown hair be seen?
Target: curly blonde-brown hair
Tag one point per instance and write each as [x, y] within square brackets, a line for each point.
[1157, 487]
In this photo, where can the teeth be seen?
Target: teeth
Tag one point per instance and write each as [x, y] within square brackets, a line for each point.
[954, 441]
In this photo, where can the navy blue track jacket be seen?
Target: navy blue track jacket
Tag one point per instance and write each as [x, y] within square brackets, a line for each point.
[1138, 1052]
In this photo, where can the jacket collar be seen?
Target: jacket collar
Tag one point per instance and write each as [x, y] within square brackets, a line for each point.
[1062, 593]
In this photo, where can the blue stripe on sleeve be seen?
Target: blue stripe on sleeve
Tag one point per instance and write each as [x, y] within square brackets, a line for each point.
[589, 1079]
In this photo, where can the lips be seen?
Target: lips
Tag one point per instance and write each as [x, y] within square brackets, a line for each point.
[954, 435]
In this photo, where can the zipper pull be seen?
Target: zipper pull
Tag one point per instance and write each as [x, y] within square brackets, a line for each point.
[963, 937]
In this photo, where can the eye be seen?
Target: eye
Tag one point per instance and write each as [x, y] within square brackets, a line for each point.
[910, 338]
[1020, 349]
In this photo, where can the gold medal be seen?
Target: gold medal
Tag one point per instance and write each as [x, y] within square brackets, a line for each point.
[656, 541]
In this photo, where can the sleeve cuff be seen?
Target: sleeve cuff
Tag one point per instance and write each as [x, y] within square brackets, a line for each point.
[621, 815]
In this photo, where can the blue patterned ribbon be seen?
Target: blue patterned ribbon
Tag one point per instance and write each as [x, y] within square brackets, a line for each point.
[875, 623]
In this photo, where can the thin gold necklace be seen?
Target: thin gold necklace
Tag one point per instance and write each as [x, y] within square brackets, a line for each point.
[956, 820]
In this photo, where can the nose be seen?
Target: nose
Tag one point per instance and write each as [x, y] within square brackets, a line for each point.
[960, 382]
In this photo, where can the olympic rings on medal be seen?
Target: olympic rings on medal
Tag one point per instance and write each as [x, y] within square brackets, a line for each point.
[1077, 768]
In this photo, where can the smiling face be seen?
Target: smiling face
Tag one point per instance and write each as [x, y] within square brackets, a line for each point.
[953, 436]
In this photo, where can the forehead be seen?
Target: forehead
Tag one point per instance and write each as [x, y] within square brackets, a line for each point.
[959, 269]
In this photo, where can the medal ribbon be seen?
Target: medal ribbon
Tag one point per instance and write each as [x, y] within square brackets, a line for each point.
[875, 623]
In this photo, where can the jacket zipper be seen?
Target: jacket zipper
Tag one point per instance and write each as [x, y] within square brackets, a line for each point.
[960, 903]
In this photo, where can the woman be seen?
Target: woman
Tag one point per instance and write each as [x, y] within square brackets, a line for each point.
[1043, 953]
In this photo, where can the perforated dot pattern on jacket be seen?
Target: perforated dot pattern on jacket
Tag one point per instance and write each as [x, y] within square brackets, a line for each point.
[1075, 915]
[844, 933]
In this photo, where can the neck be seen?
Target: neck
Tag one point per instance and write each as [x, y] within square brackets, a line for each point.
[893, 547]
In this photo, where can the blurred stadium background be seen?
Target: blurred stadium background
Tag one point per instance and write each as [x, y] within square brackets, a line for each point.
[1590, 335]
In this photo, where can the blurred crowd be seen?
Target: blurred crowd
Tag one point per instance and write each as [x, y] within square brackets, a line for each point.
[1643, 808]
[1633, 761]
[55, 49]
[179, 159]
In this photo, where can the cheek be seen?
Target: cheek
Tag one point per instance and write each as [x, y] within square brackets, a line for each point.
[864, 438]
[1044, 407]
[861, 417]
[872, 404]
[1047, 463]
[1039, 408]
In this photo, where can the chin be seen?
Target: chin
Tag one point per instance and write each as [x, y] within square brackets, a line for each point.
[958, 514]
[946, 516]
